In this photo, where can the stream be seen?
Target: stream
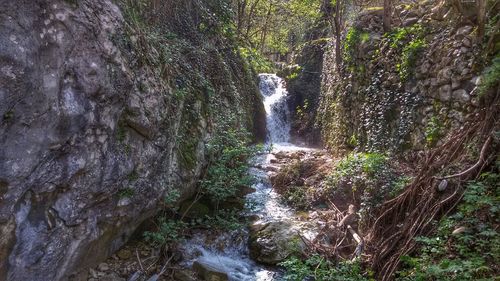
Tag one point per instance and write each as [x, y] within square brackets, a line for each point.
[229, 252]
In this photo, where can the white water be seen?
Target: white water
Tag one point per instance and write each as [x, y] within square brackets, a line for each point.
[229, 252]
[274, 97]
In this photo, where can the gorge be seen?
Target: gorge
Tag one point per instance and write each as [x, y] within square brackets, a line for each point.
[139, 141]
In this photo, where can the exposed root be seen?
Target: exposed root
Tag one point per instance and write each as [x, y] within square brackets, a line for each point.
[411, 213]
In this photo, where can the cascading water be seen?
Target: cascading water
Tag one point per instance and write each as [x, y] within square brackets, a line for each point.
[277, 113]
[233, 258]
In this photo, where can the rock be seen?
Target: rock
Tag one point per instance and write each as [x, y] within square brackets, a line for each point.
[93, 273]
[443, 185]
[476, 80]
[124, 254]
[112, 277]
[183, 275]
[466, 42]
[103, 267]
[463, 31]
[461, 95]
[209, 271]
[410, 21]
[445, 93]
[273, 242]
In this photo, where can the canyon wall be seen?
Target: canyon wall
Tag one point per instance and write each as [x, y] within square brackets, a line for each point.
[103, 113]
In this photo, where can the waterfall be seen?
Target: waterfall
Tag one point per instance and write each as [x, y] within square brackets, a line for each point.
[277, 112]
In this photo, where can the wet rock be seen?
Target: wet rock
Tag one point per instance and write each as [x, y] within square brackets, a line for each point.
[273, 242]
[209, 271]
[124, 254]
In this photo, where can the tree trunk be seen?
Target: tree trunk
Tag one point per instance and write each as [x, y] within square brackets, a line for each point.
[481, 19]
[387, 15]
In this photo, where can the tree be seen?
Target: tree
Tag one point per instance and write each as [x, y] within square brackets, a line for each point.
[387, 15]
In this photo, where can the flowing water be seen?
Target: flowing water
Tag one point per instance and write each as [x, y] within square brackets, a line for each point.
[229, 252]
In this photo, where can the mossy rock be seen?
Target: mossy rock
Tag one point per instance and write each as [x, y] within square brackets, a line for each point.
[273, 242]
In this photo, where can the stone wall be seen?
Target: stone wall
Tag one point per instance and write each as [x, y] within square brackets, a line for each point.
[98, 124]
[386, 101]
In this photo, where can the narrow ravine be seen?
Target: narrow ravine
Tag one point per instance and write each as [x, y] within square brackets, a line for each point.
[229, 252]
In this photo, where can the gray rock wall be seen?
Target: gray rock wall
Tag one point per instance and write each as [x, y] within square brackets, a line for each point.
[91, 140]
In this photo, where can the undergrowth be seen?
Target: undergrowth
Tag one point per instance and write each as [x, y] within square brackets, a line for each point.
[318, 268]
[366, 180]
[466, 245]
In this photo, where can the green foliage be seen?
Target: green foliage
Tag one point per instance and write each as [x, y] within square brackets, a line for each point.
[228, 170]
[318, 268]
[223, 220]
[296, 196]
[409, 58]
[433, 131]
[169, 231]
[470, 254]
[353, 38]
[491, 76]
[257, 61]
[276, 27]
[410, 42]
[171, 198]
[399, 185]
[365, 179]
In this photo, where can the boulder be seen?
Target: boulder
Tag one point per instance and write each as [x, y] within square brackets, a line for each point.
[273, 242]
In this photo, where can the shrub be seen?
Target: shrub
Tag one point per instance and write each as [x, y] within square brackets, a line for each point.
[169, 231]
[228, 168]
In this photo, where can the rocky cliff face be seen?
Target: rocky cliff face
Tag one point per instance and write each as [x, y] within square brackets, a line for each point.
[98, 124]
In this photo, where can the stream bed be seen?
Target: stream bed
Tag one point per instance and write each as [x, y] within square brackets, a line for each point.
[229, 252]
